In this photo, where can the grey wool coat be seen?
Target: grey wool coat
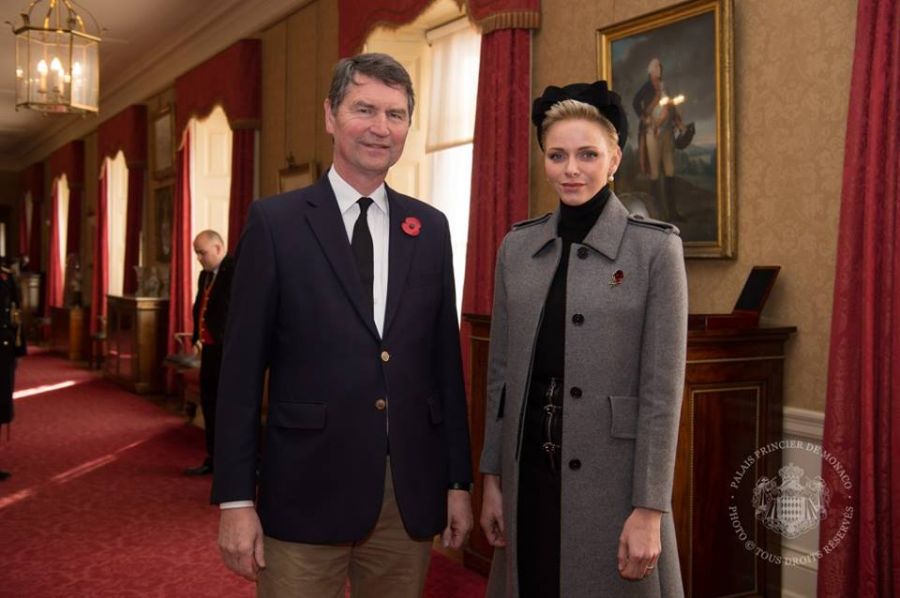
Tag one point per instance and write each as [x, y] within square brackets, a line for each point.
[627, 356]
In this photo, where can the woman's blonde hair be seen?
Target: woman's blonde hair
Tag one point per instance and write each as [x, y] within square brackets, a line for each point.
[572, 110]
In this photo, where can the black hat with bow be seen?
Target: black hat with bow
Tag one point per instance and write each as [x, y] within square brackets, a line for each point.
[597, 94]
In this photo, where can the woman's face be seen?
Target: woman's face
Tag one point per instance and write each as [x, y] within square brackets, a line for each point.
[579, 159]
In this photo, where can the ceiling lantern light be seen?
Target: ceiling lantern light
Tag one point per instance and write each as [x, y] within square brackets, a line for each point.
[57, 60]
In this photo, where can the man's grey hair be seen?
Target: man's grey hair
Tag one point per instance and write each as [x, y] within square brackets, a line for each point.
[380, 67]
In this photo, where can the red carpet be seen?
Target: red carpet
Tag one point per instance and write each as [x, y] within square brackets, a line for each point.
[97, 505]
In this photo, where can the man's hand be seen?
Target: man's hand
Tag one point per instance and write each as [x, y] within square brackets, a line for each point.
[639, 544]
[241, 541]
[492, 512]
[459, 519]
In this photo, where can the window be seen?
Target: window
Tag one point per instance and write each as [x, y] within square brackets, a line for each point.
[62, 218]
[455, 55]
[117, 218]
[210, 179]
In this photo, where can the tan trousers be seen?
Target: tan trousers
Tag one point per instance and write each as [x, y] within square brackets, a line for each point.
[386, 564]
[661, 148]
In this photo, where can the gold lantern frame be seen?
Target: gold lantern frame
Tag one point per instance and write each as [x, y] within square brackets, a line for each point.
[57, 59]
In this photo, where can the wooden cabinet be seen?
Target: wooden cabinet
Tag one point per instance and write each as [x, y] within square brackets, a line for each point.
[136, 342]
[732, 406]
[69, 332]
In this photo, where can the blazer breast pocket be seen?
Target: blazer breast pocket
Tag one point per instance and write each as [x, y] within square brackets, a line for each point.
[298, 416]
[624, 412]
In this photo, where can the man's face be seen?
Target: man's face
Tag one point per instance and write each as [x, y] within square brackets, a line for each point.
[209, 252]
[369, 129]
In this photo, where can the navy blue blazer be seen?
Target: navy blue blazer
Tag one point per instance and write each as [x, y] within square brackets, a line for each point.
[297, 309]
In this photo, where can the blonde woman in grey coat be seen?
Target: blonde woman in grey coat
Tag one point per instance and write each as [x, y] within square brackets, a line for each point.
[585, 378]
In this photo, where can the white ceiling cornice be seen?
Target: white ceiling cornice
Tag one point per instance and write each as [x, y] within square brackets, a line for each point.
[230, 21]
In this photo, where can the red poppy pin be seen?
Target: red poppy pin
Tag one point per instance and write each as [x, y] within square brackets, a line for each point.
[617, 278]
[411, 226]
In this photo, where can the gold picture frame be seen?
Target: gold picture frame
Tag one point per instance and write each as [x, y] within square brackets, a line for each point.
[296, 176]
[162, 142]
[678, 160]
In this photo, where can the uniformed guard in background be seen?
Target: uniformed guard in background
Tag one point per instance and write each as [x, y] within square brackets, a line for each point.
[12, 346]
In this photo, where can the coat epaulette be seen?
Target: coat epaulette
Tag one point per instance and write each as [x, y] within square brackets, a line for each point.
[532, 221]
[651, 223]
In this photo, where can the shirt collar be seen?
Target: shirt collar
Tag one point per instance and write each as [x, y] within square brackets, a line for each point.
[347, 196]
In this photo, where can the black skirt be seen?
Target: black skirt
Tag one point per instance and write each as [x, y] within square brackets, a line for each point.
[538, 522]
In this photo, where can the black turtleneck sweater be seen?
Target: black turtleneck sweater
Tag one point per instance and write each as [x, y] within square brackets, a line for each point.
[574, 224]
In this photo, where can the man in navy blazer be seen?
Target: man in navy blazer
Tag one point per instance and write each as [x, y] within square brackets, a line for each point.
[344, 292]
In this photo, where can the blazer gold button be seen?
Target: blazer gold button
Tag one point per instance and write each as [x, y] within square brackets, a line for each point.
[385, 356]
[575, 392]
[582, 253]
[574, 464]
[578, 319]
[380, 404]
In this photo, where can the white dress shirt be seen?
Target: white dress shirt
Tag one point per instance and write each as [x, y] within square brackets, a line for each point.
[379, 227]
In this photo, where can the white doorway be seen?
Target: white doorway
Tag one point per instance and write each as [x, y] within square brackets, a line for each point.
[211, 140]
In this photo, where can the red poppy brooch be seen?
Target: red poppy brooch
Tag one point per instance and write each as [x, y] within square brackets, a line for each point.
[617, 278]
[411, 226]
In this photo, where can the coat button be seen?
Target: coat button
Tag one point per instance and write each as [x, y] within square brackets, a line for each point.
[380, 404]
[574, 464]
[582, 253]
[578, 319]
[575, 392]
[385, 356]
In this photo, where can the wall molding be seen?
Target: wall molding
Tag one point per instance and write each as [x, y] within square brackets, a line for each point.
[804, 423]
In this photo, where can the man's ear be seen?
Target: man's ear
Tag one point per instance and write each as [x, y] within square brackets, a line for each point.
[329, 117]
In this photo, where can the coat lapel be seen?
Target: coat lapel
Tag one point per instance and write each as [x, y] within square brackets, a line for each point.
[400, 253]
[327, 225]
[606, 235]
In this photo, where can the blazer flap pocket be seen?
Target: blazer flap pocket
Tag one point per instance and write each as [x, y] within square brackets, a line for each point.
[300, 416]
[436, 409]
[624, 417]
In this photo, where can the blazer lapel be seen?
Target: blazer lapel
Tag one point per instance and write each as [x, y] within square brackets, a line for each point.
[400, 252]
[327, 225]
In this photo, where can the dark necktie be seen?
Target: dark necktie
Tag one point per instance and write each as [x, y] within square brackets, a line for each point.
[361, 243]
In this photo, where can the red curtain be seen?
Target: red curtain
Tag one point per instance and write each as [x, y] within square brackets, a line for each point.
[101, 259]
[180, 316]
[54, 267]
[499, 195]
[859, 538]
[133, 219]
[67, 160]
[73, 222]
[32, 180]
[233, 79]
[242, 150]
[23, 227]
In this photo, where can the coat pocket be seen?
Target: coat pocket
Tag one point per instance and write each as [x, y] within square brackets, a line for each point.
[624, 417]
[299, 416]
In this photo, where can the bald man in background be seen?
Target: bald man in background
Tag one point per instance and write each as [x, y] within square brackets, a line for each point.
[210, 313]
